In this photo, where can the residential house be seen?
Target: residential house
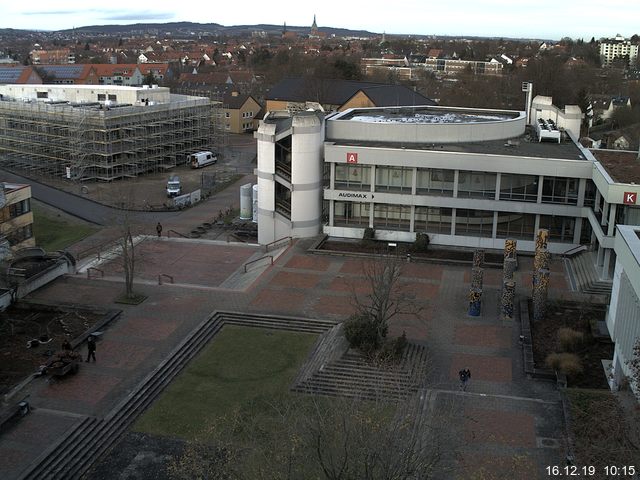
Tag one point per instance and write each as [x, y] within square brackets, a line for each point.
[60, 56]
[68, 74]
[241, 112]
[604, 105]
[293, 94]
[19, 74]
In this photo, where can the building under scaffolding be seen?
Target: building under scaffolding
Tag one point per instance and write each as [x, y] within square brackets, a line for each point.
[101, 132]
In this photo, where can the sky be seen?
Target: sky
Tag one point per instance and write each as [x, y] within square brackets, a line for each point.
[496, 18]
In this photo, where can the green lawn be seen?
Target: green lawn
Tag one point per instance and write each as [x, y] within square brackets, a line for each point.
[243, 369]
[55, 234]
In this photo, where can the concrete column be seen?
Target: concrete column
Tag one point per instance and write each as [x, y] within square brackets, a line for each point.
[456, 177]
[596, 206]
[498, 181]
[582, 187]
[599, 256]
[332, 210]
[540, 184]
[606, 264]
[494, 230]
[332, 178]
[605, 214]
[372, 188]
[412, 221]
[612, 219]
[414, 181]
[453, 221]
[577, 230]
[536, 225]
[371, 208]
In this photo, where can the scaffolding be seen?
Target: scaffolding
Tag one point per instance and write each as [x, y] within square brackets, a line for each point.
[219, 132]
[95, 143]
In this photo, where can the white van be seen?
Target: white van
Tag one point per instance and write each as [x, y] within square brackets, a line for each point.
[173, 186]
[201, 159]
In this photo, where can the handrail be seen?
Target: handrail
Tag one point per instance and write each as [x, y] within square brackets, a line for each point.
[266, 247]
[96, 269]
[96, 249]
[177, 233]
[164, 275]
[256, 260]
[573, 250]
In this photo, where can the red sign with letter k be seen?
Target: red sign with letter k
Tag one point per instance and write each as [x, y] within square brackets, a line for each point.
[630, 198]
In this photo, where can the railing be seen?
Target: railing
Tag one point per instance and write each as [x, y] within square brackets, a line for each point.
[276, 242]
[164, 275]
[96, 269]
[257, 260]
[97, 249]
[574, 250]
[177, 233]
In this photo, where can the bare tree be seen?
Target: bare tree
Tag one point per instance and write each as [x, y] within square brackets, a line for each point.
[317, 438]
[385, 298]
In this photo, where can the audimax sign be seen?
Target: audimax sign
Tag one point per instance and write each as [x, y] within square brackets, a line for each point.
[352, 195]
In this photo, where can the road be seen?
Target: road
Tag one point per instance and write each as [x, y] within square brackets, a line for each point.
[84, 208]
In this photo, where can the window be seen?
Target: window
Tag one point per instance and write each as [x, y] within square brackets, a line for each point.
[227, 115]
[430, 181]
[351, 214]
[516, 225]
[560, 190]
[19, 235]
[15, 210]
[112, 98]
[394, 179]
[391, 217]
[102, 97]
[476, 184]
[433, 220]
[42, 94]
[519, 187]
[590, 194]
[560, 228]
[352, 177]
[476, 223]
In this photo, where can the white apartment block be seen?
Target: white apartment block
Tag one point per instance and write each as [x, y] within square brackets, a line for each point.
[618, 47]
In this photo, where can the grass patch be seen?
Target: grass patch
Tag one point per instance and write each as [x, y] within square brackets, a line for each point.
[54, 234]
[244, 368]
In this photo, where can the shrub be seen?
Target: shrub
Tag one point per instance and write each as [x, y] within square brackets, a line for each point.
[369, 234]
[569, 339]
[361, 333]
[567, 363]
[421, 244]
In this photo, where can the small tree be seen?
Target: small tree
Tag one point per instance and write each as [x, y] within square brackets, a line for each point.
[421, 244]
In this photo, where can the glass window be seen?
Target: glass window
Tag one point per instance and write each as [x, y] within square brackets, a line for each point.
[560, 190]
[590, 194]
[435, 181]
[476, 184]
[519, 187]
[433, 220]
[393, 179]
[476, 223]
[391, 217]
[516, 225]
[351, 214]
[352, 177]
[560, 228]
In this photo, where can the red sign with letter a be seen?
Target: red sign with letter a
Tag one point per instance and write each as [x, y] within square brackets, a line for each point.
[630, 198]
[352, 158]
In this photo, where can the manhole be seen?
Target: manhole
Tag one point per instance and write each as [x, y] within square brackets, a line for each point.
[547, 442]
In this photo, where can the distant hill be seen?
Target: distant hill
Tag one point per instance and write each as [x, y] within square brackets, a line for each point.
[192, 28]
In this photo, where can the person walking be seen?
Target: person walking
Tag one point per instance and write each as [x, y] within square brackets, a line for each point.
[159, 229]
[91, 348]
[465, 376]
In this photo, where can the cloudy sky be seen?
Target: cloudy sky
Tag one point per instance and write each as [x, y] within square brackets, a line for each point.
[509, 18]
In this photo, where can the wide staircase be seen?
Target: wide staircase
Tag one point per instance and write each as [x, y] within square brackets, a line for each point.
[76, 451]
[583, 276]
[348, 373]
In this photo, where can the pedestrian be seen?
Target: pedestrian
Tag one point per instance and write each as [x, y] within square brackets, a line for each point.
[465, 376]
[91, 348]
[159, 229]
[66, 345]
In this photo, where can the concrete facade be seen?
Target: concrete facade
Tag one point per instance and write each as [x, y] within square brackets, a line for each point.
[16, 217]
[623, 315]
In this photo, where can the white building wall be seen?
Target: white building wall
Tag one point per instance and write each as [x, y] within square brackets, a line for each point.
[266, 183]
[570, 118]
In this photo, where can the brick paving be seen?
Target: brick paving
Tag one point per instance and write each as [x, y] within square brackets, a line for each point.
[502, 414]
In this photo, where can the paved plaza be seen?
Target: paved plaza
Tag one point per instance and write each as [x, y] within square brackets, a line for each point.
[503, 421]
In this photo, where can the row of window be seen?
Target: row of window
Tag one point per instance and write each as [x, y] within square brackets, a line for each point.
[476, 223]
[431, 181]
[15, 210]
